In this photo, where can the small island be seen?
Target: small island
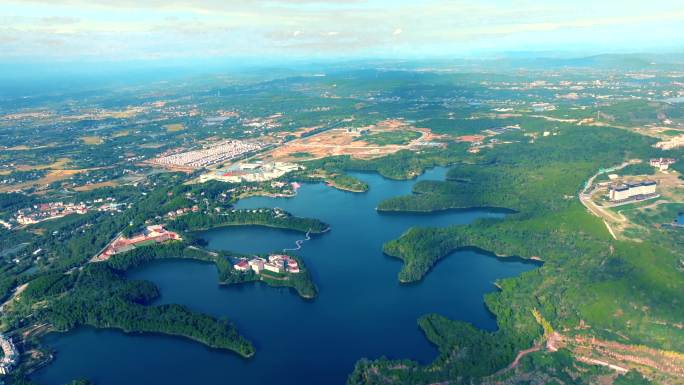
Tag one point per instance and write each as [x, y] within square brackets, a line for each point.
[276, 270]
[347, 183]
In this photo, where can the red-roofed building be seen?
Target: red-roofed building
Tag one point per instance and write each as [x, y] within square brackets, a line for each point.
[243, 265]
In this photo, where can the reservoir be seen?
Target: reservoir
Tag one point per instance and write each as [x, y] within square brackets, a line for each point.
[361, 309]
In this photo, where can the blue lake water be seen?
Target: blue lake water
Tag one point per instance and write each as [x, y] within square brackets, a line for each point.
[361, 310]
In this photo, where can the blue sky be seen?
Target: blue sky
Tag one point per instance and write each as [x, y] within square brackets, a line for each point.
[47, 30]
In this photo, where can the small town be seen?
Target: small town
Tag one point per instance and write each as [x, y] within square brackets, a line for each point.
[54, 210]
[276, 263]
[220, 152]
[47, 211]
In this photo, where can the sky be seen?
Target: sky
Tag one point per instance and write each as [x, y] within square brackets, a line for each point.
[128, 30]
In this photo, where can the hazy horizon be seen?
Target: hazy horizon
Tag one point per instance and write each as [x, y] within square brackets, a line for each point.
[40, 31]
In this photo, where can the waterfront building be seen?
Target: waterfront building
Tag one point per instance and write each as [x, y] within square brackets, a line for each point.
[121, 244]
[277, 263]
[243, 265]
[10, 355]
[257, 264]
[274, 267]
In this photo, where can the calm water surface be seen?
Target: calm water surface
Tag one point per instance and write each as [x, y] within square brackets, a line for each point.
[361, 310]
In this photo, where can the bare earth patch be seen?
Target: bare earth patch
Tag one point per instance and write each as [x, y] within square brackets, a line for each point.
[344, 141]
[174, 127]
[92, 140]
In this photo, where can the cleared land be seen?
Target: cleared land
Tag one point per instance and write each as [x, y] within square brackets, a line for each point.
[384, 138]
[56, 165]
[52, 176]
[94, 186]
[175, 127]
[92, 140]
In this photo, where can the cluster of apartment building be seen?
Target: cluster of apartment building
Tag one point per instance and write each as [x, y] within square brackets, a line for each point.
[626, 191]
[151, 234]
[662, 163]
[221, 152]
[251, 172]
[10, 356]
[277, 263]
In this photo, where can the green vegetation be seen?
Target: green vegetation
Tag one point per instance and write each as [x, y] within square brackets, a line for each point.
[633, 169]
[400, 165]
[655, 223]
[48, 285]
[227, 275]
[672, 132]
[605, 283]
[348, 183]
[634, 113]
[631, 378]
[385, 138]
[262, 217]
[100, 296]
[302, 155]
[554, 368]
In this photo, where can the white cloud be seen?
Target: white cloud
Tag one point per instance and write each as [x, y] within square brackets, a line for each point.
[269, 27]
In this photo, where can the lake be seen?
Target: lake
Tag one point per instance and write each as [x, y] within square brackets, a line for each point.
[361, 310]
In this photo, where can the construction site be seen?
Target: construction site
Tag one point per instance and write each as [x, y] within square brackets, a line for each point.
[355, 142]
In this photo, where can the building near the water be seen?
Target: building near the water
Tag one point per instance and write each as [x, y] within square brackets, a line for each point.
[10, 356]
[257, 264]
[151, 235]
[243, 265]
[277, 263]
